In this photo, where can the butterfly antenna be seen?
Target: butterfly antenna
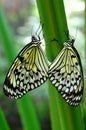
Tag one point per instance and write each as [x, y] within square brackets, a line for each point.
[39, 30]
[67, 34]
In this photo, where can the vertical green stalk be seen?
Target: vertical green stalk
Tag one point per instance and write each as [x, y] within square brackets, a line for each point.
[27, 113]
[52, 15]
[25, 105]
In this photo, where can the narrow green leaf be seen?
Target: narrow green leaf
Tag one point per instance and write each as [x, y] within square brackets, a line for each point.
[3, 122]
[27, 113]
[6, 37]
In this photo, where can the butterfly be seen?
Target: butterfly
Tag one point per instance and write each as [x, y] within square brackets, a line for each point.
[28, 71]
[66, 74]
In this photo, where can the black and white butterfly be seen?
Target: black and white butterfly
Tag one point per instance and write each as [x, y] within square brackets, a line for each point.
[66, 74]
[28, 71]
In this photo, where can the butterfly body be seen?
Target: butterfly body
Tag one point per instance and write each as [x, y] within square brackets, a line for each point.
[66, 74]
[28, 71]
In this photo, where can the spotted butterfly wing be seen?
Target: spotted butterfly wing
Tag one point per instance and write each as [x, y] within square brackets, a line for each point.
[66, 74]
[28, 71]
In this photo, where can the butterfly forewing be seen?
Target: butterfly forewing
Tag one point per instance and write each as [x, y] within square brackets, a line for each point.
[66, 74]
[28, 71]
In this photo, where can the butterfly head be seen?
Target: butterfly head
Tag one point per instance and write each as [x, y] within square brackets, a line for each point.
[35, 39]
[69, 43]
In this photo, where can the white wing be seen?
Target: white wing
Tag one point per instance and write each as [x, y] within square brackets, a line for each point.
[28, 71]
[66, 74]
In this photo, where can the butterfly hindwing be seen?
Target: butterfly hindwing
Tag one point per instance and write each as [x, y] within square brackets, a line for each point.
[28, 71]
[66, 74]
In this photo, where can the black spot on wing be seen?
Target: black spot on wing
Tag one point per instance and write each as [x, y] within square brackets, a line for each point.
[21, 59]
[73, 56]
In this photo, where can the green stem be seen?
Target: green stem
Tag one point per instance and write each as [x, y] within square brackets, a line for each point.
[27, 113]
[52, 15]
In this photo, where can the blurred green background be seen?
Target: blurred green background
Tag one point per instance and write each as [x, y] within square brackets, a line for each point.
[18, 21]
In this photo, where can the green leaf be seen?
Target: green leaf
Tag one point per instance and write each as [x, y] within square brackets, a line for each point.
[28, 113]
[3, 122]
